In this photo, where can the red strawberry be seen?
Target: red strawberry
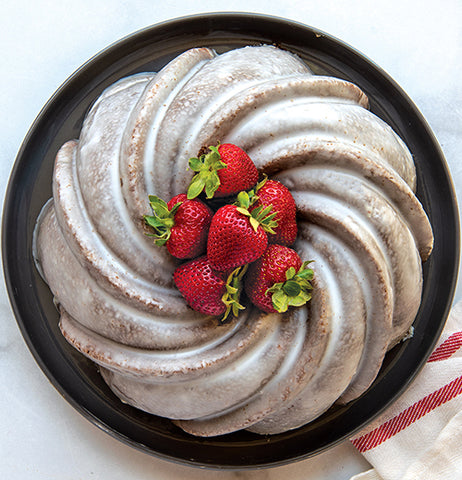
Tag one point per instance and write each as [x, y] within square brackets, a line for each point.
[278, 280]
[236, 236]
[181, 224]
[225, 170]
[208, 291]
[272, 192]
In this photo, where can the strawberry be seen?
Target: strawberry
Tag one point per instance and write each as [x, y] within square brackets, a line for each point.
[208, 291]
[278, 279]
[181, 224]
[237, 236]
[272, 192]
[225, 170]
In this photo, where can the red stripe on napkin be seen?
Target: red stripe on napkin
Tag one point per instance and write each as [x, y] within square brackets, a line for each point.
[407, 417]
[447, 348]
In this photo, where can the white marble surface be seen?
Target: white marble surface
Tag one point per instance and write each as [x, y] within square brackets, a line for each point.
[419, 43]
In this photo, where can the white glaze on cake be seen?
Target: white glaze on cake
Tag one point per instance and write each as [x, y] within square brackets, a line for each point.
[353, 180]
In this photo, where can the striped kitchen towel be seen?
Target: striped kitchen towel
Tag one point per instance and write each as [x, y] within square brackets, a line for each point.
[420, 436]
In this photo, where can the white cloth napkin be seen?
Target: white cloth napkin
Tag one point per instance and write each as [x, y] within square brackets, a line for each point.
[420, 436]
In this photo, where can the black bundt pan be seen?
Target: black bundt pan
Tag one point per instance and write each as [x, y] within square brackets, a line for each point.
[77, 379]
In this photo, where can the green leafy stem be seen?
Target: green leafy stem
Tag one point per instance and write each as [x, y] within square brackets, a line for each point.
[231, 297]
[295, 291]
[163, 219]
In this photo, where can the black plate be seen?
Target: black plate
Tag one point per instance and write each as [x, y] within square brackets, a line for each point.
[77, 379]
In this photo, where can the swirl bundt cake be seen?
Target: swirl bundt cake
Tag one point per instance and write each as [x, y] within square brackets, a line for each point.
[353, 180]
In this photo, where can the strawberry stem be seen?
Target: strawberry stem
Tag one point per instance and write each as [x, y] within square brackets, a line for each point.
[162, 221]
[207, 177]
[233, 292]
[295, 291]
[258, 216]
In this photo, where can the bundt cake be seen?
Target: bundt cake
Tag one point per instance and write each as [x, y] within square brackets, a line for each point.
[359, 221]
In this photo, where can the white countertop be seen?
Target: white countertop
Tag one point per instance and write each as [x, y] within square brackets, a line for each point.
[419, 43]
